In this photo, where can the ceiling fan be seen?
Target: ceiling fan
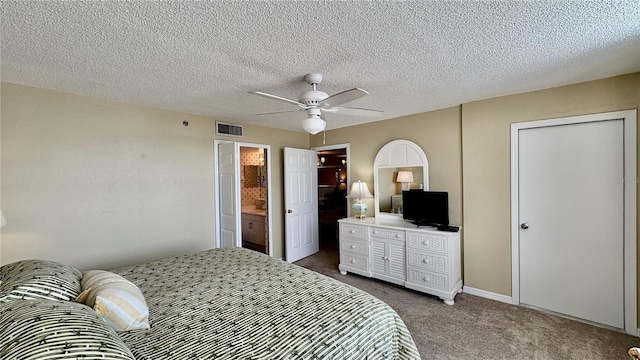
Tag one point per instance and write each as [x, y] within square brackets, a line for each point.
[315, 102]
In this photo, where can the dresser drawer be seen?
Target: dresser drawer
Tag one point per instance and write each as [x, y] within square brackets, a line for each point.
[427, 242]
[356, 261]
[355, 246]
[428, 261]
[353, 231]
[386, 233]
[428, 279]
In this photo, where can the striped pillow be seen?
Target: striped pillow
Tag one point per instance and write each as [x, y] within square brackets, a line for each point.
[47, 329]
[117, 299]
[39, 279]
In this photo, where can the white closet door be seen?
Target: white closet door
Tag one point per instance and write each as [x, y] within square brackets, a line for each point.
[571, 198]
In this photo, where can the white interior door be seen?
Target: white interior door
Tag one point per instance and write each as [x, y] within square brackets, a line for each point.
[229, 180]
[300, 203]
[571, 210]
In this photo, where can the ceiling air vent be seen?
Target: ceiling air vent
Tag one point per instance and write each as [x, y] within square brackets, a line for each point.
[229, 129]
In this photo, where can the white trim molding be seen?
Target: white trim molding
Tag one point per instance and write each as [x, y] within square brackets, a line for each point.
[487, 294]
[630, 217]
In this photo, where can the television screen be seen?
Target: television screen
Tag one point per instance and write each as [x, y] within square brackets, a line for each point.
[426, 208]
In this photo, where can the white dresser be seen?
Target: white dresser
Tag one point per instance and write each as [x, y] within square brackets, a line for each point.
[422, 259]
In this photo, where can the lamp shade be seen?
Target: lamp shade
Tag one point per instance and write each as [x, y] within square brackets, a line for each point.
[404, 176]
[359, 190]
[3, 220]
[313, 124]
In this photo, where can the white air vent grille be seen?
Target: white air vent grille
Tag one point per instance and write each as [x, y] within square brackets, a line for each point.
[229, 129]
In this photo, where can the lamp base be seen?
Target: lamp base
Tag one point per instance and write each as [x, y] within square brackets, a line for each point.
[359, 210]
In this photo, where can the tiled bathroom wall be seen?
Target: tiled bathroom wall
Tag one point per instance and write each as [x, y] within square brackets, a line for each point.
[251, 191]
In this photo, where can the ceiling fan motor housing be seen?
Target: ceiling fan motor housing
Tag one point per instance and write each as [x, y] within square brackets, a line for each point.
[312, 97]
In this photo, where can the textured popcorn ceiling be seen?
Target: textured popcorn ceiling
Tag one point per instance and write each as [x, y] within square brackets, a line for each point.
[203, 57]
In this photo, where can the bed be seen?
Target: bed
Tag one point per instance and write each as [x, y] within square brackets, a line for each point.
[238, 304]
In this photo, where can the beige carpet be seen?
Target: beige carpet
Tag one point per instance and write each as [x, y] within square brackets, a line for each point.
[478, 328]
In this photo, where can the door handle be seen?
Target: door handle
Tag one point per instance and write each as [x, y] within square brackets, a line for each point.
[289, 211]
[524, 226]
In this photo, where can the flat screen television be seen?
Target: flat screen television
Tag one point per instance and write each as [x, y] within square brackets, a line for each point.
[426, 208]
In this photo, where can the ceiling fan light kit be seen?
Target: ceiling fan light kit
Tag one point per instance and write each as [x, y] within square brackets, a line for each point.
[313, 124]
[314, 102]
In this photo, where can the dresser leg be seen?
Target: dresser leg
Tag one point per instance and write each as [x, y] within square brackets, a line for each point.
[342, 272]
[448, 301]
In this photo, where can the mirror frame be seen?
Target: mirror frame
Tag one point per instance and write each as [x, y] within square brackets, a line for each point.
[394, 154]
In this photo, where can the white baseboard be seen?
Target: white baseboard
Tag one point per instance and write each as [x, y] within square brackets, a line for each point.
[487, 294]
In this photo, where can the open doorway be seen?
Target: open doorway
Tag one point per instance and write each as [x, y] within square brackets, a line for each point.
[243, 186]
[253, 198]
[332, 190]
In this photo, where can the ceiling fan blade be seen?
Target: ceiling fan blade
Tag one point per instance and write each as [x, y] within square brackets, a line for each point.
[280, 112]
[353, 111]
[343, 97]
[276, 97]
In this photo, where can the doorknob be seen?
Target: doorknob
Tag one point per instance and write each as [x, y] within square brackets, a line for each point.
[525, 226]
[289, 211]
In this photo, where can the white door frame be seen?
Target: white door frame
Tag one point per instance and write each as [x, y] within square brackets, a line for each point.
[216, 191]
[630, 182]
[348, 153]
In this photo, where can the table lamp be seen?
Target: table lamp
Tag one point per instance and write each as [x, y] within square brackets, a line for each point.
[359, 190]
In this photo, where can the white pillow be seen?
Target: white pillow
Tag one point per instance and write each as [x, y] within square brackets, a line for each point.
[117, 299]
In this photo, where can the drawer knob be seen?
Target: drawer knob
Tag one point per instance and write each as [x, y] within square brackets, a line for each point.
[426, 279]
[353, 246]
[375, 231]
[352, 231]
[398, 236]
[425, 243]
[353, 261]
[426, 261]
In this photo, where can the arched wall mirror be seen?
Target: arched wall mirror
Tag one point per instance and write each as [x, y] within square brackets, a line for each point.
[396, 156]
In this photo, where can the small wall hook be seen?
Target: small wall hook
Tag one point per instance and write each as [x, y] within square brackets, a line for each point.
[185, 123]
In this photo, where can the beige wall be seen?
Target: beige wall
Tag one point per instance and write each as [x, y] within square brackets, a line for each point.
[486, 163]
[96, 183]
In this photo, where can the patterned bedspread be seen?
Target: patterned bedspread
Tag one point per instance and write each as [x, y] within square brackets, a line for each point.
[239, 304]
